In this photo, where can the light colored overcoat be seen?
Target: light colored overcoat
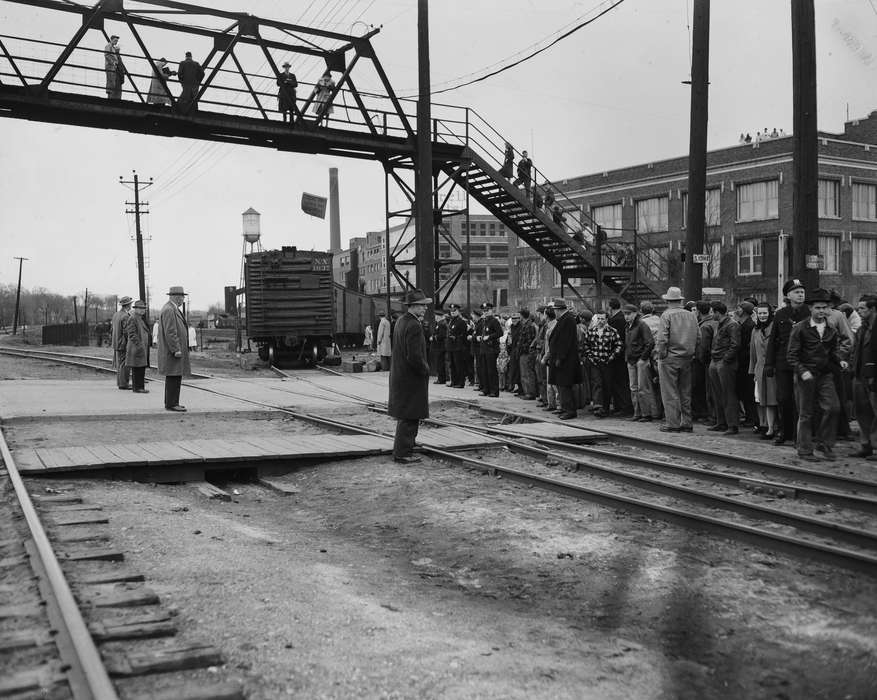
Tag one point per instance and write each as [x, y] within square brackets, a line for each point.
[384, 342]
[173, 334]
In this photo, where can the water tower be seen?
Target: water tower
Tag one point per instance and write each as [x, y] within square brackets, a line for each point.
[252, 234]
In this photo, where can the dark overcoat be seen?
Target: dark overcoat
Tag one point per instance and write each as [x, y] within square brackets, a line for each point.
[565, 368]
[173, 336]
[409, 371]
[137, 347]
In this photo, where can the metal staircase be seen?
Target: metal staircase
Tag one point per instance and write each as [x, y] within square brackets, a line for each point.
[575, 246]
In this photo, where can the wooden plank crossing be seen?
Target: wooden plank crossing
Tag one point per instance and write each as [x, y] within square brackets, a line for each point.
[453, 439]
[552, 431]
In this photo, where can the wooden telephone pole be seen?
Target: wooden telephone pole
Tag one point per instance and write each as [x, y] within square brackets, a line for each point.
[424, 225]
[805, 165]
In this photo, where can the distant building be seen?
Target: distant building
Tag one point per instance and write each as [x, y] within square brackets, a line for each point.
[488, 259]
[748, 215]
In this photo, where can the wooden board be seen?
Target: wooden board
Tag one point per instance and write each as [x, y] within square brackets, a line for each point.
[552, 431]
[453, 439]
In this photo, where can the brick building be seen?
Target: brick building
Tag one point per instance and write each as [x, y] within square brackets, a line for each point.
[488, 259]
[748, 215]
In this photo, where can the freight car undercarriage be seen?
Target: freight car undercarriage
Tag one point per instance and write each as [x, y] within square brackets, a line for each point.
[290, 352]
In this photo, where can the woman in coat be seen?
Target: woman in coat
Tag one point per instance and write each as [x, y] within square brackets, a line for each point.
[158, 94]
[137, 347]
[383, 347]
[765, 387]
[322, 93]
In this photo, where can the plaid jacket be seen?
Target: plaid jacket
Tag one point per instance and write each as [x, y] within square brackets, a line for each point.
[528, 335]
[602, 349]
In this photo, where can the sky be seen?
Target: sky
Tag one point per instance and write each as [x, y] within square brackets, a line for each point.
[608, 96]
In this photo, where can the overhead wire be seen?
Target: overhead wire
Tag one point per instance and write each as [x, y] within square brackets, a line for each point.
[529, 56]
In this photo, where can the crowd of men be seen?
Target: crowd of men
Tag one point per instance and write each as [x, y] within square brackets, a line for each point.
[795, 375]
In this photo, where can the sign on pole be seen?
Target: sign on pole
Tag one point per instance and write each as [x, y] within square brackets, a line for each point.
[314, 205]
[701, 258]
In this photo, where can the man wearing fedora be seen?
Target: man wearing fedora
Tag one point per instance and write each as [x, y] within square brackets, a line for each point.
[814, 355]
[137, 350]
[564, 366]
[675, 345]
[173, 348]
[286, 86]
[119, 340]
[409, 377]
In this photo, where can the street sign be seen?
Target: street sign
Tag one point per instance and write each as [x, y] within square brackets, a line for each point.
[701, 258]
[314, 205]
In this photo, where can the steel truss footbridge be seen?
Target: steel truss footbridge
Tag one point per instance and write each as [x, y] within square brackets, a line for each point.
[63, 81]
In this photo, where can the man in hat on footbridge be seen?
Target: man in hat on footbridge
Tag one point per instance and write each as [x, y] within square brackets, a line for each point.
[409, 377]
[120, 340]
[173, 348]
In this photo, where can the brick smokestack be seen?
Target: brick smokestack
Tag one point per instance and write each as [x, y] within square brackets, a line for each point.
[334, 215]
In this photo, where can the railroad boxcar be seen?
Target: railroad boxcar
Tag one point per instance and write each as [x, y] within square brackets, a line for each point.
[290, 304]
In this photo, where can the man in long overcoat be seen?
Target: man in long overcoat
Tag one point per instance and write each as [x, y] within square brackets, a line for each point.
[190, 74]
[564, 367]
[409, 377]
[137, 346]
[123, 374]
[173, 348]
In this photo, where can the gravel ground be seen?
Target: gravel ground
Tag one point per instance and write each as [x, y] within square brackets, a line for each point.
[431, 581]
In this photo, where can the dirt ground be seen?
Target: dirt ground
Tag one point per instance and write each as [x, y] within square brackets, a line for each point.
[377, 580]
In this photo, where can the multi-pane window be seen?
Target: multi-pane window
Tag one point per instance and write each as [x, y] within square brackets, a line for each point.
[654, 263]
[651, 214]
[609, 217]
[713, 269]
[828, 199]
[829, 249]
[758, 200]
[864, 255]
[712, 208]
[499, 250]
[499, 273]
[749, 256]
[528, 274]
[864, 201]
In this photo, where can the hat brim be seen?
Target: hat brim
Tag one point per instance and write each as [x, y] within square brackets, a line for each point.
[421, 302]
[670, 298]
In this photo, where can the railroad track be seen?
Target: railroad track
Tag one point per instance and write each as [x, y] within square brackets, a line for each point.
[95, 362]
[807, 536]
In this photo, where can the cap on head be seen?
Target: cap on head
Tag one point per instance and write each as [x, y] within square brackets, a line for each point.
[792, 285]
[114, 36]
[673, 294]
[287, 65]
[417, 297]
[454, 307]
[747, 307]
[689, 305]
[630, 309]
[188, 54]
[558, 304]
[487, 305]
[140, 304]
[176, 290]
[125, 301]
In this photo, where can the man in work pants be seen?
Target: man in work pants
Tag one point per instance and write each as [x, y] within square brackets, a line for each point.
[676, 342]
[120, 341]
[864, 368]
[723, 370]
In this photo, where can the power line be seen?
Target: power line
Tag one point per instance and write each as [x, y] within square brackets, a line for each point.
[531, 55]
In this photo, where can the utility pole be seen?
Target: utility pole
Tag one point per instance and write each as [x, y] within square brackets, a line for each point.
[136, 211]
[17, 295]
[694, 233]
[805, 159]
[424, 225]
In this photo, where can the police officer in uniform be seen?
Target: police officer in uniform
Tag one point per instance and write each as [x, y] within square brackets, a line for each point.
[437, 344]
[474, 338]
[491, 333]
[457, 347]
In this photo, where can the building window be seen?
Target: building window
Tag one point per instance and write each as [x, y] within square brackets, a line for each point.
[498, 250]
[499, 273]
[828, 199]
[864, 202]
[758, 200]
[528, 274]
[654, 263]
[749, 256]
[712, 208]
[864, 255]
[713, 269]
[609, 217]
[829, 249]
[651, 215]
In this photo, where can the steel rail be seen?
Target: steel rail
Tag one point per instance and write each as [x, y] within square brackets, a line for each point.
[680, 450]
[86, 659]
[827, 553]
[59, 357]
